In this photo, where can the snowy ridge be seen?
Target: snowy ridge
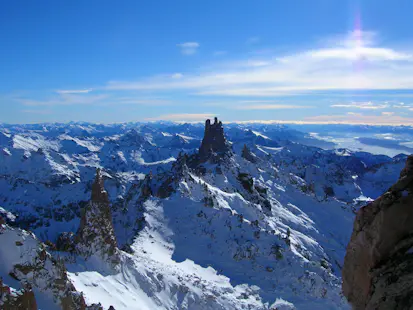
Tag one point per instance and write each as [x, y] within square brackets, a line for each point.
[225, 233]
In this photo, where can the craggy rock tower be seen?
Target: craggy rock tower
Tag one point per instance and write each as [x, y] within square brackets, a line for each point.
[214, 141]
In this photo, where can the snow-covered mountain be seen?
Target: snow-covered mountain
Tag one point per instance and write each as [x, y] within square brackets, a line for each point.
[256, 220]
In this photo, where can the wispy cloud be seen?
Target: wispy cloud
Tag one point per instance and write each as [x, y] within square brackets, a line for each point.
[402, 105]
[183, 117]
[188, 48]
[74, 91]
[220, 53]
[355, 61]
[271, 107]
[43, 112]
[63, 99]
[253, 40]
[141, 101]
[356, 118]
[177, 75]
[361, 105]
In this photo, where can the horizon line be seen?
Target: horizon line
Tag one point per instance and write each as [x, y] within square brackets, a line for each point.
[265, 122]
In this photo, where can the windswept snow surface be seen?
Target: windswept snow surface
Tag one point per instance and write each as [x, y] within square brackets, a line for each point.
[150, 279]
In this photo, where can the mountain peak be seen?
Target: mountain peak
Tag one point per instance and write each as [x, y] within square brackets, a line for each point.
[99, 194]
[246, 153]
[214, 140]
[96, 233]
[408, 169]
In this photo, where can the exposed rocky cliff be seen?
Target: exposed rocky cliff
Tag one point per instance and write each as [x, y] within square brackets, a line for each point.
[378, 267]
[214, 142]
[96, 234]
[246, 153]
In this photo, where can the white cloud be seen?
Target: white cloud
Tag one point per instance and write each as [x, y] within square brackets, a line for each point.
[220, 53]
[402, 105]
[74, 91]
[141, 101]
[383, 119]
[387, 113]
[359, 53]
[271, 107]
[188, 48]
[64, 99]
[253, 40]
[338, 119]
[352, 62]
[183, 117]
[257, 63]
[42, 112]
[361, 105]
[177, 75]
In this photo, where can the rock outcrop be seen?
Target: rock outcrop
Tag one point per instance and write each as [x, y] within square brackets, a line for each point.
[214, 143]
[246, 153]
[28, 268]
[16, 300]
[378, 267]
[96, 234]
[178, 171]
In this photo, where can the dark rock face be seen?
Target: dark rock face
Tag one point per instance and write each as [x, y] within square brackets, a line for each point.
[179, 170]
[96, 233]
[146, 190]
[246, 153]
[20, 300]
[66, 242]
[99, 195]
[214, 141]
[378, 267]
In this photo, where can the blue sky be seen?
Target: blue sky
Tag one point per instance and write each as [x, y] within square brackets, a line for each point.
[292, 61]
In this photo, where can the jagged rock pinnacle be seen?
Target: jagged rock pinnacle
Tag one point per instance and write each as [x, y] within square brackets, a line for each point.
[214, 140]
[378, 267]
[96, 233]
[99, 194]
[246, 153]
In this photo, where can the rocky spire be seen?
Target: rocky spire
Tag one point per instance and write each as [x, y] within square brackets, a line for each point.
[246, 153]
[378, 267]
[99, 194]
[96, 234]
[214, 141]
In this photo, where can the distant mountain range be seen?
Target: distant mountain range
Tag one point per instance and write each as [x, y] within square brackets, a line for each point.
[188, 216]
